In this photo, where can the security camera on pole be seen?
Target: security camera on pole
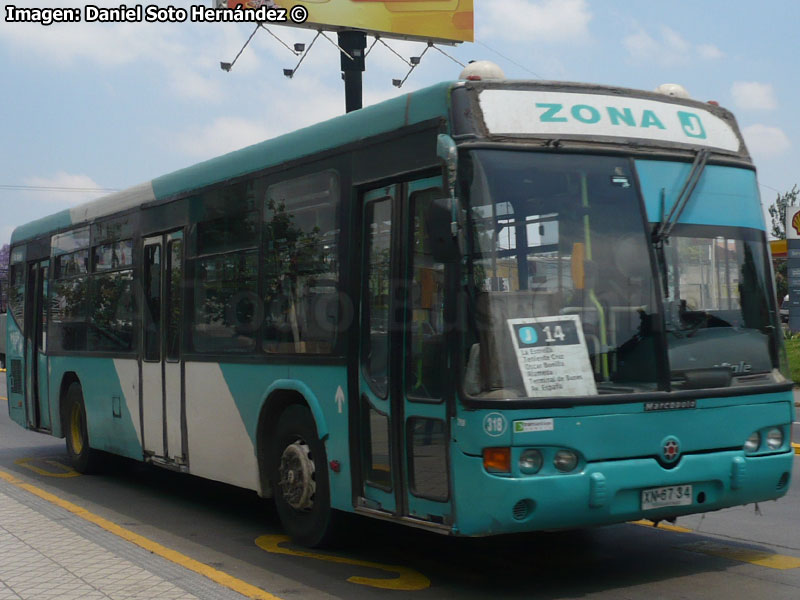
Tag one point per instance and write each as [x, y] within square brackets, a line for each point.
[430, 22]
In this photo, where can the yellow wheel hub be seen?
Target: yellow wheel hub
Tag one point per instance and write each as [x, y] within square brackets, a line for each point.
[76, 435]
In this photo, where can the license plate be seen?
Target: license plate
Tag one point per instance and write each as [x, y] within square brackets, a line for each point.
[673, 495]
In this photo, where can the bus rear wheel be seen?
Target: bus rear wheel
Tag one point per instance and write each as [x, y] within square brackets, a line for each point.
[84, 459]
[299, 476]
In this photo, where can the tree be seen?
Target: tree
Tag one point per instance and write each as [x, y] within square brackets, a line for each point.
[777, 213]
[4, 252]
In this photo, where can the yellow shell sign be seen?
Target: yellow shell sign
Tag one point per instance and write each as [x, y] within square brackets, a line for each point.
[429, 20]
[792, 223]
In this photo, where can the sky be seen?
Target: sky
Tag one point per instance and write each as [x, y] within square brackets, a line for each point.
[106, 106]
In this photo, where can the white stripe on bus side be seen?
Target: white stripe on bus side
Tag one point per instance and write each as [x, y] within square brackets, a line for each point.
[128, 373]
[219, 445]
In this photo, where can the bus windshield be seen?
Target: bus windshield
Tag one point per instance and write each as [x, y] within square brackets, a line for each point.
[558, 256]
[562, 291]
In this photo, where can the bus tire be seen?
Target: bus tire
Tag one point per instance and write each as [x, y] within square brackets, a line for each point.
[298, 468]
[84, 459]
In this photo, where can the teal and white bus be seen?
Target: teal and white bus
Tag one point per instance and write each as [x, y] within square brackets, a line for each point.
[484, 307]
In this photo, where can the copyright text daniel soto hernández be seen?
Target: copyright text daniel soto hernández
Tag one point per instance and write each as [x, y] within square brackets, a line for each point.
[268, 12]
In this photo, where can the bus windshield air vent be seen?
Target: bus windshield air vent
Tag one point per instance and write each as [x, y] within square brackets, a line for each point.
[16, 376]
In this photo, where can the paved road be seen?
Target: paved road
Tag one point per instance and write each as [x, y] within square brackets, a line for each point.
[736, 553]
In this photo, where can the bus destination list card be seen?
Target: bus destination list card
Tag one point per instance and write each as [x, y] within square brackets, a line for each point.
[552, 356]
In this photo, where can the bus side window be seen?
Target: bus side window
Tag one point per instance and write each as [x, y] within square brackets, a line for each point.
[152, 299]
[378, 219]
[301, 265]
[174, 303]
[227, 309]
[222, 252]
[69, 302]
[426, 353]
[16, 292]
[112, 305]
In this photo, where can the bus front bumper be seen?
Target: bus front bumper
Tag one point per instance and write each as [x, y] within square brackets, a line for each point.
[610, 492]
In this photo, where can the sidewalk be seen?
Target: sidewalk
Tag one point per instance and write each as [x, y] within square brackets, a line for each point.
[46, 552]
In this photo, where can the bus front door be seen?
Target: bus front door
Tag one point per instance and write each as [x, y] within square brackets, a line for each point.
[163, 413]
[403, 382]
[36, 385]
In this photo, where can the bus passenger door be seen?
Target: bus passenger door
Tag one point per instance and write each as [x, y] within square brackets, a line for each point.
[378, 441]
[404, 380]
[428, 378]
[163, 414]
[36, 387]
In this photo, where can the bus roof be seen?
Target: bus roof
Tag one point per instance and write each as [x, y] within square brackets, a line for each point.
[408, 109]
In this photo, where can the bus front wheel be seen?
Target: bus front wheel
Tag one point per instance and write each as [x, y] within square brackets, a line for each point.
[83, 458]
[299, 475]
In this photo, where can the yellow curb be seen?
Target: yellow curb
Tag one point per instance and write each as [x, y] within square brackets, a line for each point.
[796, 448]
[661, 525]
[755, 557]
[220, 577]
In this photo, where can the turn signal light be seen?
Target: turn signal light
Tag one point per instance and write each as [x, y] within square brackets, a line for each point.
[497, 460]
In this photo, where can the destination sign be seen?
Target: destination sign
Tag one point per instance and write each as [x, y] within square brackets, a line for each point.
[552, 356]
[535, 112]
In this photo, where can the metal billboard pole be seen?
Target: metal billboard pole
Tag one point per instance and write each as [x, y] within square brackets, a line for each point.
[352, 44]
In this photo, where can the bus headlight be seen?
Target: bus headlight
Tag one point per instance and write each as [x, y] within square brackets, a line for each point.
[530, 461]
[774, 438]
[753, 442]
[565, 460]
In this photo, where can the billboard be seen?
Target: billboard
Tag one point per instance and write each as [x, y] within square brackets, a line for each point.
[446, 21]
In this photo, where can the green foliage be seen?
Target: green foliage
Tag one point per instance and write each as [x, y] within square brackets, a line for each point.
[793, 354]
[777, 212]
[781, 285]
[291, 251]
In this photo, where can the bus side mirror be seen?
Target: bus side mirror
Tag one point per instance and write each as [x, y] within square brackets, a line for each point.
[447, 151]
[442, 245]
[441, 218]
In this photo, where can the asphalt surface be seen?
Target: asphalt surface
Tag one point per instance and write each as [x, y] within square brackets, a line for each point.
[745, 552]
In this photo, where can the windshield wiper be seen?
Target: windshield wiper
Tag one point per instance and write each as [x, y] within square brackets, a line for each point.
[662, 231]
